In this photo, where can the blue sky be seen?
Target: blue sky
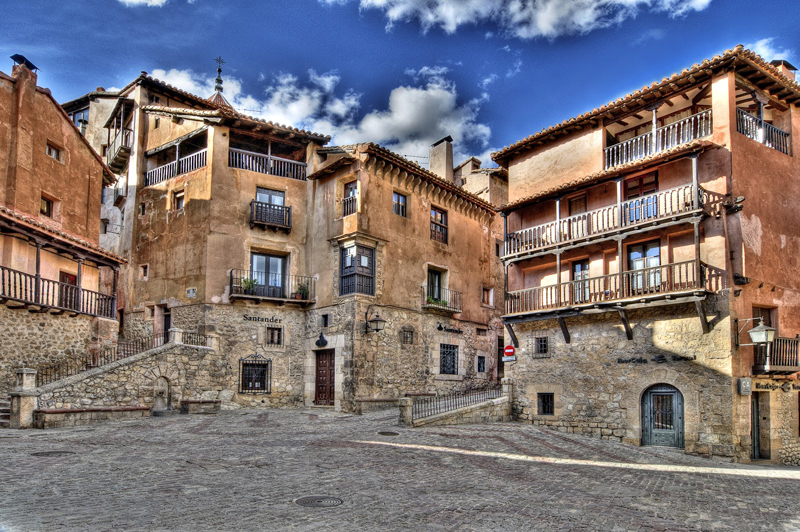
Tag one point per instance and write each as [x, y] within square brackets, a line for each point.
[403, 73]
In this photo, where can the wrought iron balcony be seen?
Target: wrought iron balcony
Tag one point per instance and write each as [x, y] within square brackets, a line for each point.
[754, 128]
[184, 165]
[32, 290]
[119, 151]
[779, 358]
[656, 282]
[690, 128]
[266, 164]
[268, 215]
[435, 298]
[667, 205]
[247, 284]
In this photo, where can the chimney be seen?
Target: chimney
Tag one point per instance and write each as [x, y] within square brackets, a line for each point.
[785, 67]
[23, 67]
[441, 158]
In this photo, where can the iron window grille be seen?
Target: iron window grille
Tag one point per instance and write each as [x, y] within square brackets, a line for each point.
[539, 346]
[399, 202]
[546, 404]
[448, 359]
[481, 364]
[407, 336]
[274, 336]
[255, 374]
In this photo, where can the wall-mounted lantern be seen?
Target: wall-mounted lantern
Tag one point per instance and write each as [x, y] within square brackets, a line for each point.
[375, 324]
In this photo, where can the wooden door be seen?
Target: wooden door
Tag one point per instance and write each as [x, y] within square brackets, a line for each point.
[325, 377]
[662, 416]
[68, 291]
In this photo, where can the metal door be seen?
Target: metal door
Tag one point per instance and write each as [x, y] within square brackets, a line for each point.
[662, 416]
[755, 427]
[325, 377]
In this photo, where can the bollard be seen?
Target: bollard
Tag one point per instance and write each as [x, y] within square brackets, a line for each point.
[406, 411]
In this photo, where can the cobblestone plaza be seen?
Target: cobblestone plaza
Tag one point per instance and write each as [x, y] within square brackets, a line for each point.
[244, 470]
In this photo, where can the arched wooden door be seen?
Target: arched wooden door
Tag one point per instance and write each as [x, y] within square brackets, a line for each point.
[662, 416]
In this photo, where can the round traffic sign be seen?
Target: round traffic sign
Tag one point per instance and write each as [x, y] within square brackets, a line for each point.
[509, 350]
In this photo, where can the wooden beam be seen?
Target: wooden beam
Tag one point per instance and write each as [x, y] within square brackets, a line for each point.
[705, 91]
[685, 96]
[669, 103]
[512, 334]
[702, 315]
[564, 330]
[637, 116]
[623, 315]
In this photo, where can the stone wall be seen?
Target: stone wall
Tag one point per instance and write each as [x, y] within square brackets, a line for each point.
[789, 425]
[190, 373]
[599, 378]
[138, 324]
[34, 339]
[52, 419]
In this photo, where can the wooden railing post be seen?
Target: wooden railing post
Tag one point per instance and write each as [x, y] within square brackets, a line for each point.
[695, 183]
[37, 289]
[558, 219]
[79, 295]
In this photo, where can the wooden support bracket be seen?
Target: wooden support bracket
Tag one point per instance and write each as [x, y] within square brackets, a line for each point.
[512, 334]
[564, 330]
[703, 321]
[623, 315]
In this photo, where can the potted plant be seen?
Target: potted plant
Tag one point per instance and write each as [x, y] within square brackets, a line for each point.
[248, 286]
[302, 291]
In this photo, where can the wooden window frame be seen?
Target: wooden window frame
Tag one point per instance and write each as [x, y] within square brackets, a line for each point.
[439, 225]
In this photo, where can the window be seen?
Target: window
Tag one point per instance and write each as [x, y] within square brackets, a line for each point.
[448, 359]
[577, 205]
[53, 152]
[267, 274]
[81, 119]
[497, 247]
[274, 336]
[255, 374]
[538, 345]
[647, 258]
[399, 204]
[103, 226]
[103, 195]
[760, 351]
[481, 364]
[438, 225]
[487, 296]
[407, 336]
[481, 332]
[142, 209]
[325, 320]
[581, 290]
[542, 345]
[546, 404]
[178, 200]
[269, 207]
[640, 204]
[357, 270]
[104, 149]
[156, 122]
[46, 207]
[349, 205]
[143, 271]
[154, 99]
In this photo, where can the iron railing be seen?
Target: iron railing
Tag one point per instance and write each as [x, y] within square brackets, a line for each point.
[431, 406]
[27, 288]
[122, 140]
[272, 285]
[664, 279]
[434, 297]
[349, 205]
[662, 205]
[184, 165]
[666, 137]
[266, 164]
[278, 216]
[754, 128]
[73, 365]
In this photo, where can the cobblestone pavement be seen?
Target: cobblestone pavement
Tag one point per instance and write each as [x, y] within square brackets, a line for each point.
[243, 470]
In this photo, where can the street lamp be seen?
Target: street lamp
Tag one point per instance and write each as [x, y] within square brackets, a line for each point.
[375, 324]
[759, 335]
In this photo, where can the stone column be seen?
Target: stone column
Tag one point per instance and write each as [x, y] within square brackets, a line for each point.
[406, 411]
[176, 335]
[24, 399]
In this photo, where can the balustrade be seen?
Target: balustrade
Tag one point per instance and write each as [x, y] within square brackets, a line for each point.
[184, 165]
[754, 128]
[266, 164]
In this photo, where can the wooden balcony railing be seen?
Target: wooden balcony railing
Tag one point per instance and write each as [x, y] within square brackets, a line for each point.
[753, 128]
[261, 285]
[268, 215]
[441, 299]
[349, 205]
[266, 164]
[781, 357]
[657, 280]
[184, 165]
[666, 204]
[119, 150]
[680, 132]
[29, 289]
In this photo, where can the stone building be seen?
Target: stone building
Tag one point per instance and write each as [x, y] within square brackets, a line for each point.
[287, 248]
[51, 264]
[641, 239]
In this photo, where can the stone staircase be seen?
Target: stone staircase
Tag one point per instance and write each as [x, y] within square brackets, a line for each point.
[5, 411]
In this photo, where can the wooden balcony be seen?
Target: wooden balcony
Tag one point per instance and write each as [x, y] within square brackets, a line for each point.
[266, 164]
[266, 215]
[779, 358]
[45, 295]
[184, 165]
[441, 299]
[119, 150]
[681, 132]
[664, 208]
[666, 283]
[754, 128]
[245, 284]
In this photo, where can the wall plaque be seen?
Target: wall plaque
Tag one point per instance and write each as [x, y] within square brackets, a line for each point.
[745, 386]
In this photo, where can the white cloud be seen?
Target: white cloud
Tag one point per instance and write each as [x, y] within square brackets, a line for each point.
[525, 19]
[769, 51]
[654, 34]
[148, 3]
[416, 114]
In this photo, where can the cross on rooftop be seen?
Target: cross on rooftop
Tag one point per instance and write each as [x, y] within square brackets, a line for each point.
[219, 61]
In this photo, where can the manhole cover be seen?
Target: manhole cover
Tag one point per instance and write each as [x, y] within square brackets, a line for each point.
[52, 453]
[318, 501]
[388, 433]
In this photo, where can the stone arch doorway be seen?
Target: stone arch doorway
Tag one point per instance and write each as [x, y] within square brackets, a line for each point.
[662, 416]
